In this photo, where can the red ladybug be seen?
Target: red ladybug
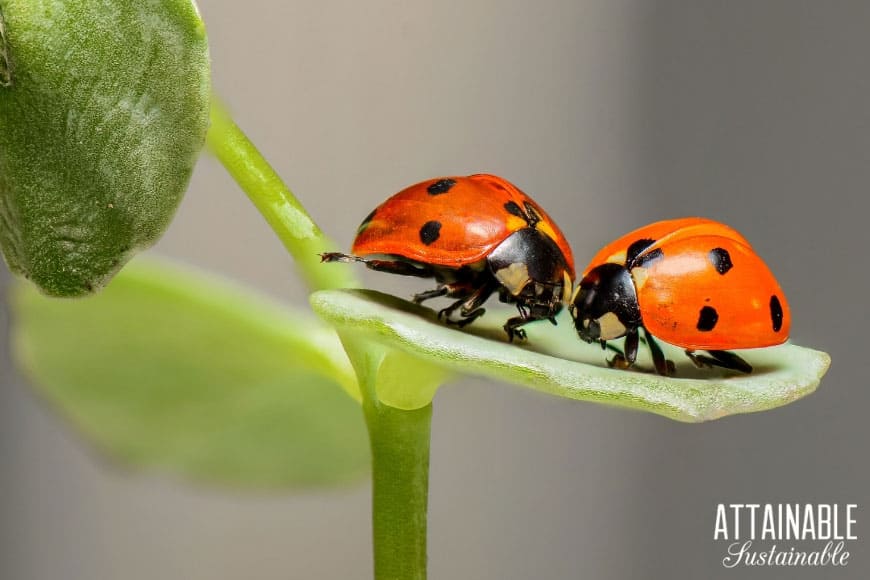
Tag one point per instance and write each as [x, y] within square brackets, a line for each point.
[692, 282]
[474, 235]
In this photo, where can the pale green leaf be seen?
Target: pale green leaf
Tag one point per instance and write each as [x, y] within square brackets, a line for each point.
[554, 360]
[103, 112]
[168, 370]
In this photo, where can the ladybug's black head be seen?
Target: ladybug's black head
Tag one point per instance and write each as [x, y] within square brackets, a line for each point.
[605, 306]
[532, 272]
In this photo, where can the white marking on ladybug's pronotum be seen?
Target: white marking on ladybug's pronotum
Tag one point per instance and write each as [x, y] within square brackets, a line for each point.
[617, 258]
[514, 277]
[566, 288]
[574, 294]
[610, 326]
[639, 275]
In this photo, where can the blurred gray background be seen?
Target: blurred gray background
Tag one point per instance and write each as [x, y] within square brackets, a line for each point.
[611, 114]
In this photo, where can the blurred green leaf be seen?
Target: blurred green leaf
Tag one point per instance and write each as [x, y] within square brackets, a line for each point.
[173, 371]
[103, 112]
[555, 361]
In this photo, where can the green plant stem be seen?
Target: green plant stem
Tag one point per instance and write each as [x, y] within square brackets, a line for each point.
[285, 215]
[400, 483]
[399, 439]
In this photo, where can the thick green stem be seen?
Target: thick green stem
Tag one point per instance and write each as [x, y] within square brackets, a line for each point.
[400, 484]
[285, 215]
[399, 439]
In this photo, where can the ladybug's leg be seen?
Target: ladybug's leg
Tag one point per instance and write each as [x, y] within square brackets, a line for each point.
[607, 346]
[528, 313]
[512, 326]
[391, 266]
[729, 360]
[721, 358]
[454, 290]
[441, 290]
[624, 361]
[663, 366]
[699, 361]
[469, 308]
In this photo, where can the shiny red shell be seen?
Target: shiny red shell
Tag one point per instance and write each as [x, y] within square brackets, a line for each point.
[451, 222]
[700, 285]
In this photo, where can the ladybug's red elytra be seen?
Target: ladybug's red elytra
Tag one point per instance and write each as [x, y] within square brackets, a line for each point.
[475, 236]
[693, 282]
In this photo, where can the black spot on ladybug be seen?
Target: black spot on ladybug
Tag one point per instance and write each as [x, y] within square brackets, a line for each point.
[635, 249]
[366, 222]
[775, 313]
[707, 319]
[514, 209]
[648, 258]
[721, 260]
[430, 232]
[440, 186]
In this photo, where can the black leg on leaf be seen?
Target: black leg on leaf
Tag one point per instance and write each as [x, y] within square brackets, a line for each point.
[470, 317]
[527, 315]
[607, 346]
[513, 330]
[469, 308]
[423, 296]
[630, 346]
[662, 365]
[512, 326]
[729, 360]
[626, 359]
[720, 358]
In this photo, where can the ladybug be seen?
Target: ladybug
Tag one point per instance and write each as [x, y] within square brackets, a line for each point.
[475, 236]
[693, 282]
